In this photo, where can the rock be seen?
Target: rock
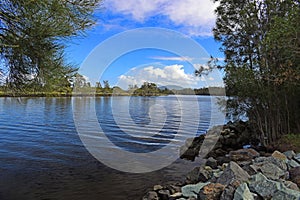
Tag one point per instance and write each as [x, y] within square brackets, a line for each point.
[176, 195]
[280, 163]
[199, 174]
[228, 192]
[270, 170]
[191, 148]
[157, 187]
[290, 185]
[249, 169]
[279, 155]
[212, 162]
[271, 189]
[188, 154]
[286, 194]
[292, 164]
[289, 154]
[211, 191]
[233, 172]
[163, 194]
[243, 155]
[297, 157]
[192, 190]
[173, 188]
[243, 192]
[264, 187]
[151, 196]
[222, 159]
[295, 175]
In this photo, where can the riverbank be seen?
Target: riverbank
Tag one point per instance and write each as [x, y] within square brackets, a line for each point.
[248, 175]
[237, 167]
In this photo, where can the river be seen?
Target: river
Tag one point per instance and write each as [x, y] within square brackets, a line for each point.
[42, 155]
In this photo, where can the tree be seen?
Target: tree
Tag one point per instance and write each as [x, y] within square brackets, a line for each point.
[107, 90]
[33, 35]
[106, 84]
[260, 39]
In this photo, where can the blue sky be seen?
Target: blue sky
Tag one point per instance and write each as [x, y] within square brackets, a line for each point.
[190, 19]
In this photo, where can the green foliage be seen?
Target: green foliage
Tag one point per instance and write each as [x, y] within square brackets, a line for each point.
[147, 89]
[260, 39]
[33, 35]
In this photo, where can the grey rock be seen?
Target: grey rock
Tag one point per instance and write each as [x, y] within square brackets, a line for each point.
[289, 154]
[199, 174]
[243, 192]
[212, 162]
[292, 164]
[233, 172]
[151, 196]
[264, 187]
[297, 157]
[286, 193]
[290, 185]
[270, 170]
[157, 187]
[227, 193]
[271, 189]
[163, 194]
[192, 190]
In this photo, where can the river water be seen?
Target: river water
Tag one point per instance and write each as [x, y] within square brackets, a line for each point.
[42, 156]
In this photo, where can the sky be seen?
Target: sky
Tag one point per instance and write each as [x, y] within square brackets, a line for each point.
[160, 41]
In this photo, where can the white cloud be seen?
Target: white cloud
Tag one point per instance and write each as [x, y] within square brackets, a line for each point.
[195, 16]
[138, 9]
[168, 75]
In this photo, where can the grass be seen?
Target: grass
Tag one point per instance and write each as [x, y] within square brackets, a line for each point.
[289, 142]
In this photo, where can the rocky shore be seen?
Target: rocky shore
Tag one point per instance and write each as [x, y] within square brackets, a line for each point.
[233, 172]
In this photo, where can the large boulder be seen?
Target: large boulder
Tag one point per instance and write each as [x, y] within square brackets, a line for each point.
[243, 155]
[280, 156]
[211, 191]
[192, 190]
[233, 172]
[229, 190]
[199, 174]
[273, 167]
[289, 154]
[271, 189]
[211, 162]
[270, 170]
[243, 192]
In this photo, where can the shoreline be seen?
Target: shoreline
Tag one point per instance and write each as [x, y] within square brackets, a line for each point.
[234, 171]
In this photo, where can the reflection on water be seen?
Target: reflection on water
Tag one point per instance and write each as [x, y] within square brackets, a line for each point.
[42, 157]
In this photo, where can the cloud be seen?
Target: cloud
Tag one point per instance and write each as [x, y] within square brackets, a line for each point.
[168, 75]
[172, 58]
[138, 9]
[194, 16]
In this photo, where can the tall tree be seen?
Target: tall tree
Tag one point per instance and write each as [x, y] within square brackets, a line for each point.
[260, 39]
[33, 35]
